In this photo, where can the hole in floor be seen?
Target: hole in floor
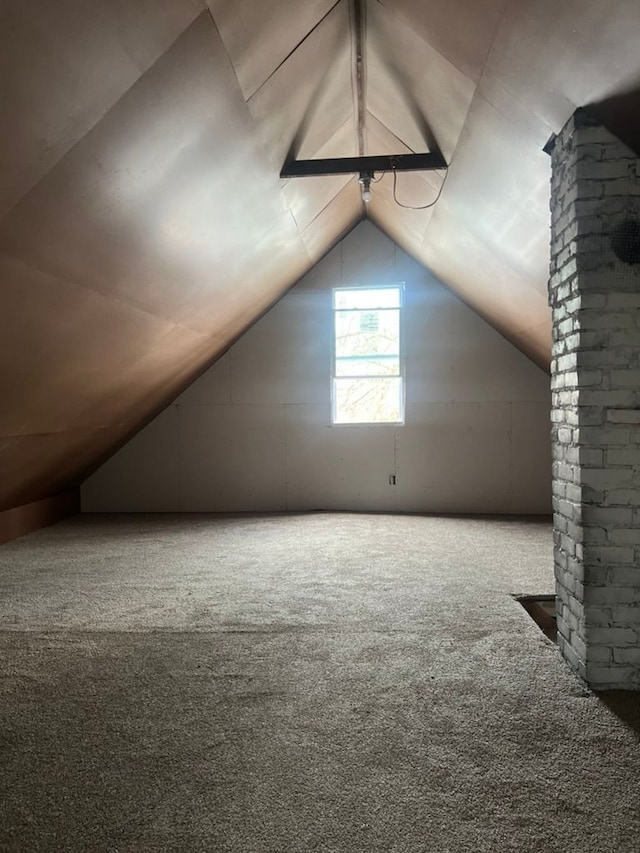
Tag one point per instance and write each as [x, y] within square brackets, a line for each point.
[542, 609]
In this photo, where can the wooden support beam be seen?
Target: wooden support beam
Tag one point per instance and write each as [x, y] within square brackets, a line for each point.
[357, 165]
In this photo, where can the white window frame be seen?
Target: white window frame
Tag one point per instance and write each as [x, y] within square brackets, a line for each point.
[396, 285]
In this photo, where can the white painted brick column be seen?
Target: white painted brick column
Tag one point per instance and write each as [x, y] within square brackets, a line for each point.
[594, 292]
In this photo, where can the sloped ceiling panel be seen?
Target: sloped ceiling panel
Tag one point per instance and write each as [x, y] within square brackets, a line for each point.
[142, 249]
[411, 87]
[260, 36]
[494, 215]
[493, 289]
[525, 68]
[288, 108]
[161, 198]
[308, 198]
[553, 57]
[336, 220]
[63, 69]
[493, 211]
[462, 31]
[92, 342]
[305, 110]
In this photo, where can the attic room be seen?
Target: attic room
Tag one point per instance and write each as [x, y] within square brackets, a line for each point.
[320, 371]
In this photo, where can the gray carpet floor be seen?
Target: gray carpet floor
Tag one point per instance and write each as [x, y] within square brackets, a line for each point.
[323, 682]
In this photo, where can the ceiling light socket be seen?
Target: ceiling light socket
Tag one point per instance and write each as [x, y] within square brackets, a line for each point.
[365, 184]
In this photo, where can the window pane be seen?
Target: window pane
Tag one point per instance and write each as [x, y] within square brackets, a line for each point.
[367, 400]
[367, 333]
[375, 297]
[363, 366]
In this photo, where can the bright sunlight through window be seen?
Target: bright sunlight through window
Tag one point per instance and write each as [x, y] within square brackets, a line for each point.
[367, 364]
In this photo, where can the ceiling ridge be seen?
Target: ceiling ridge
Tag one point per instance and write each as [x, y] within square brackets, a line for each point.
[358, 24]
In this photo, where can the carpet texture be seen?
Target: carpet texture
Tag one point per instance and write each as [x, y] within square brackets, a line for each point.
[322, 682]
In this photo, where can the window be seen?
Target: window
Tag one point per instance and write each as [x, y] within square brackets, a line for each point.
[367, 363]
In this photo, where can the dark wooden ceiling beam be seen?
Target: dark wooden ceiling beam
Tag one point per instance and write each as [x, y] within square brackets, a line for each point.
[357, 165]
[359, 71]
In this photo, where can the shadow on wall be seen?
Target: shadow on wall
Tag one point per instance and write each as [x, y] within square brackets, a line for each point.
[621, 114]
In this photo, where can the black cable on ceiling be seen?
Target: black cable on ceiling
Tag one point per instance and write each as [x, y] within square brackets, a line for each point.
[418, 207]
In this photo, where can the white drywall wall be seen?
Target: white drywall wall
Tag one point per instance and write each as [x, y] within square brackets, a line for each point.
[254, 432]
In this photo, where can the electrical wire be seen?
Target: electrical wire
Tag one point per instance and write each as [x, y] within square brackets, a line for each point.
[419, 207]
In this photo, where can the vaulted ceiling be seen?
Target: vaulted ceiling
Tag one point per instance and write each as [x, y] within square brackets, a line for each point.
[143, 223]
